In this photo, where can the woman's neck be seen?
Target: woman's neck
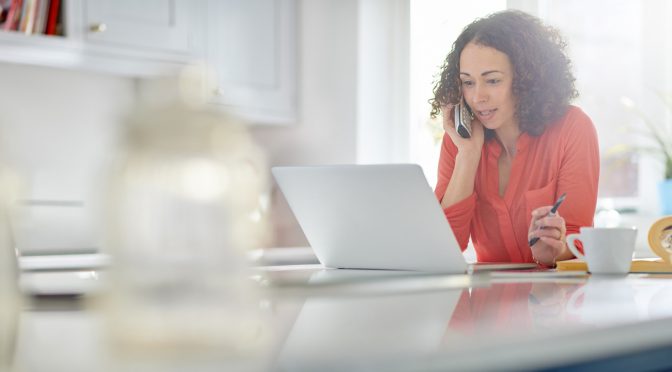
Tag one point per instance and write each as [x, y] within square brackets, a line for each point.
[508, 137]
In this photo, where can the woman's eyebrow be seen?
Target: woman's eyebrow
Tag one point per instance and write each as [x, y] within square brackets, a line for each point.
[483, 73]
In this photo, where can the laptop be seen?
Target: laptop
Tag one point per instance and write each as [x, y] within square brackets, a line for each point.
[374, 217]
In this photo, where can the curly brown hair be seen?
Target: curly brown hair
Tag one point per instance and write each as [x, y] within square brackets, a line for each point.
[543, 82]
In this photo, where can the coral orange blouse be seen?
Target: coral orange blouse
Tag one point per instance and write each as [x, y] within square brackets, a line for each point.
[565, 158]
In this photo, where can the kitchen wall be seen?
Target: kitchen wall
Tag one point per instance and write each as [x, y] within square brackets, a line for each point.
[326, 131]
[57, 127]
[57, 132]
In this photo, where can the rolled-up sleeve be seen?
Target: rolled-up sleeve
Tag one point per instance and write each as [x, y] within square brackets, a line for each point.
[459, 217]
[579, 172]
[460, 214]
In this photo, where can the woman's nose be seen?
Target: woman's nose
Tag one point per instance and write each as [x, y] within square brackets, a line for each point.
[480, 94]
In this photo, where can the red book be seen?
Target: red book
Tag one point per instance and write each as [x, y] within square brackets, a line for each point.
[54, 9]
[12, 22]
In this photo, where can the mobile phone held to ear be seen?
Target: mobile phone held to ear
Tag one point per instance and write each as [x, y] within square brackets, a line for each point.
[462, 119]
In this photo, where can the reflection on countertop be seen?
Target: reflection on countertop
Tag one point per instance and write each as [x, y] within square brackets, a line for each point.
[377, 320]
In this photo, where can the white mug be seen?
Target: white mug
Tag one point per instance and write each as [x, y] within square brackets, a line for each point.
[608, 250]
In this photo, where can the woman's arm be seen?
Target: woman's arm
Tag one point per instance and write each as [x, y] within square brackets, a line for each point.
[578, 177]
[461, 184]
[465, 155]
[458, 163]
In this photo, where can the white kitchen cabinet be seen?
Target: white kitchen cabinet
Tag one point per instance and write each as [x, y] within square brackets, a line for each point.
[113, 36]
[252, 46]
[148, 24]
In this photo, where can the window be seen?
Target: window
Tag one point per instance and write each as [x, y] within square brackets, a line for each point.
[435, 24]
[621, 53]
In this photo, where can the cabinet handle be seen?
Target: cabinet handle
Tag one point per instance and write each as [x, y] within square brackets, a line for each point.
[98, 27]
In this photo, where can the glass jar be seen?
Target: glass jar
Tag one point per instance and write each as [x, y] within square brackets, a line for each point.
[183, 209]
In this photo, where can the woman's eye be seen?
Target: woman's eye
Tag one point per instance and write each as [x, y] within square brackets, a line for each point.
[467, 83]
[493, 81]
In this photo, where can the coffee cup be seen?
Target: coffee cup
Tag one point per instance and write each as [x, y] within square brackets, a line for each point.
[608, 250]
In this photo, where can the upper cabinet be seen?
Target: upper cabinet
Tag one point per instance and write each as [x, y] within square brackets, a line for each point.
[251, 44]
[147, 24]
[111, 36]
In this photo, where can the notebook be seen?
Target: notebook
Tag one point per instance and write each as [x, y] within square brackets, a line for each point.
[374, 217]
[640, 265]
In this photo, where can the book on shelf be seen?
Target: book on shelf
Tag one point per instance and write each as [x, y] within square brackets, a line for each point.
[52, 17]
[28, 16]
[13, 15]
[4, 9]
[39, 17]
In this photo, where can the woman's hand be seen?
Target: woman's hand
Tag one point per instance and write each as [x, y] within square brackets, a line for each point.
[461, 183]
[472, 145]
[551, 231]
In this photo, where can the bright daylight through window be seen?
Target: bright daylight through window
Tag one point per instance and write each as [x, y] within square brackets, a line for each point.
[623, 66]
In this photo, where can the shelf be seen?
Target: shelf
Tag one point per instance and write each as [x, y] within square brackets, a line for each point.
[62, 52]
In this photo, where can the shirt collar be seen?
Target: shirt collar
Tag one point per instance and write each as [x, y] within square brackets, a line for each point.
[522, 143]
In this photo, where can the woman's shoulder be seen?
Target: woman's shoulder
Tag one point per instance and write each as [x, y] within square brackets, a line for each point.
[574, 130]
[576, 114]
[574, 120]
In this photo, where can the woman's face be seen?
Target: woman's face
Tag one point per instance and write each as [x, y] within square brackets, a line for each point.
[486, 78]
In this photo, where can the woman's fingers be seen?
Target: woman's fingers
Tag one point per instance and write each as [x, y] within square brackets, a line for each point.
[447, 112]
[552, 233]
[537, 215]
[550, 222]
[541, 211]
[477, 130]
[550, 229]
[556, 244]
[472, 144]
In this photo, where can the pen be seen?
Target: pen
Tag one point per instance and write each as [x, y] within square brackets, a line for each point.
[534, 240]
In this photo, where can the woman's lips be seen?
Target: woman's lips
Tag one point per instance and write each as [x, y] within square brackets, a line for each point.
[485, 115]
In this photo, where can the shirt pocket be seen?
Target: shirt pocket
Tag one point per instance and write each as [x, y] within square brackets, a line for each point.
[540, 197]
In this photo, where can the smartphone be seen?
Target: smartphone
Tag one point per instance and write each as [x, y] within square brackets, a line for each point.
[463, 118]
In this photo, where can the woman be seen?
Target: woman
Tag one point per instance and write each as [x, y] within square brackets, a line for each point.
[528, 145]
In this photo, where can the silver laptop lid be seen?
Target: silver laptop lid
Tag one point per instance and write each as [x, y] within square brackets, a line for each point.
[371, 217]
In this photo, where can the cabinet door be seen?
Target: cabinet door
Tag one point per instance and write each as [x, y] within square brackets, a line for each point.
[147, 24]
[251, 44]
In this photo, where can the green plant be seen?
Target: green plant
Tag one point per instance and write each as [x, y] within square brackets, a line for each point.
[659, 132]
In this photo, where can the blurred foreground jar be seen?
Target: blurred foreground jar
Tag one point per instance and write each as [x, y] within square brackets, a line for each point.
[183, 209]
